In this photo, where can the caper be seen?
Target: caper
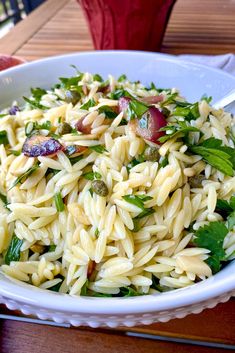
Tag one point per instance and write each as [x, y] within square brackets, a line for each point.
[151, 154]
[166, 112]
[64, 128]
[72, 97]
[99, 187]
[196, 181]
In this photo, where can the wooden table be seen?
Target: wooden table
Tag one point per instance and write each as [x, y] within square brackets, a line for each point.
[58, 27]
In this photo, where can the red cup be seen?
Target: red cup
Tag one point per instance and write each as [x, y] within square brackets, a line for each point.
[127, 24]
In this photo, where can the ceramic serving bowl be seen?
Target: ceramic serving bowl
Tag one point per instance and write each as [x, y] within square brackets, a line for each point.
[165, 71]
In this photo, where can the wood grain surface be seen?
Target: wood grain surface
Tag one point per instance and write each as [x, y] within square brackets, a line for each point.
[19, 337]
[59, 27]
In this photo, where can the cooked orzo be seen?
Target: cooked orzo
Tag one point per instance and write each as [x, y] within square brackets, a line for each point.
[110, 188]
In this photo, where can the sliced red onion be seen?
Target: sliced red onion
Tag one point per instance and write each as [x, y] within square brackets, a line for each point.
[74, 150]
[85, 129]
[39, 145]
[123, 104]
[14, 109]
[151, 99]
[149, 124]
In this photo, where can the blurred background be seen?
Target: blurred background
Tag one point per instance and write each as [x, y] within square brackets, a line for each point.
[12, 11]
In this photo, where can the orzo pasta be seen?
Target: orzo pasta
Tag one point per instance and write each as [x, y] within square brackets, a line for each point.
[110, 188]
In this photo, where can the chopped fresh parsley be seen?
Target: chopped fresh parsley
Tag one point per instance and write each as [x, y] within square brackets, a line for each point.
[59, 202]
[206, 98]
[122, 78]
[34, 103]
[119, 93]
[224, 208]
[97, 77]
[134, 162]
[90, 103]
[71, 82]
[3, 138]
[24, 176]
[37, 93]
[136, 109]
[170, 99]
[211, 237]
[189, 111]
[84, 288]
[137, 200]
[15, 153]
[3, 198]
[13, 252]
[32, 127]
[74, 160]
[92, 175]
[97, 232]
[98, 148]
[52, 248]
[127, 292]
[108, 111]
[218, 156]
[146, 212]
[180, 128]
[163, 162]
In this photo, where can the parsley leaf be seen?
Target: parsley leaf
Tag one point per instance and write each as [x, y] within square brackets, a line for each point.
[122, 78]
[137, 200]
[218, 156]
[98, 148]
[108, 111]
[97, 77]
[211, 237]
[24, 176]
[180, 128]
[206, 98]
[231, 221]
[71, 82]
[92, 175]
[189, 112]
[13, 252]
[59, 202]
[37, 93]
[90, 103]
[223, 208]
[127, 292]
[119, 93]
[134, 162]
[3, 198]
[3, 138]
[170, 99]
[163, 162]
[34, 103]
[52, 248]
[74, 160]
[146, 212]
[135, 109]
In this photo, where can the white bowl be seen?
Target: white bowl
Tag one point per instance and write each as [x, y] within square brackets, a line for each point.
[193, 81]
